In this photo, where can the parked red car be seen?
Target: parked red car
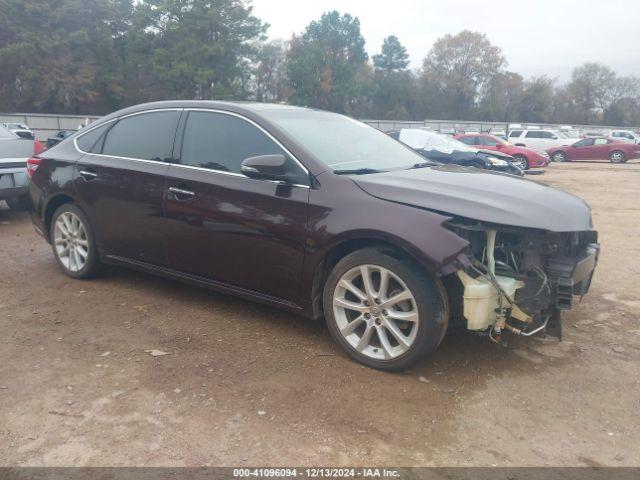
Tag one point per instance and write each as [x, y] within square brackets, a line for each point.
[523, 157]
[598, 148]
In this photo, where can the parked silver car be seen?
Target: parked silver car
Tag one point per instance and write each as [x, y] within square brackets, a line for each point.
[14, 153]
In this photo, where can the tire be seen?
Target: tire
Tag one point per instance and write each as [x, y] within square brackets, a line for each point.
[617, 156]
[420, 319]
[559, 156]
[521, 162]
[19, 204]
[70, 228]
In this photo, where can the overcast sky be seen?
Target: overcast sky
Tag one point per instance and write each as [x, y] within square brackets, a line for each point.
[537, 36]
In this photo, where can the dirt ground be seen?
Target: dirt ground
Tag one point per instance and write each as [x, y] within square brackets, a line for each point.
[245, 384]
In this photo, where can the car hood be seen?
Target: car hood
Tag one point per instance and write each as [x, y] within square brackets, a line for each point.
[481, 195]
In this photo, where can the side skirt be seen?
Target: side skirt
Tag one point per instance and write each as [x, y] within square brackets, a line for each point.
[202, 282]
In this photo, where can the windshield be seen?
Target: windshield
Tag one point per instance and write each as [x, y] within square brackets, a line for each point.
[342, 143]
[426, 140]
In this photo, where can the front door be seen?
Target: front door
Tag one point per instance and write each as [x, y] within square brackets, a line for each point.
[228, 228]
[121, 183]
[581, 150]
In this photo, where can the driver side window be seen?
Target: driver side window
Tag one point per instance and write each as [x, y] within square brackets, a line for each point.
[584, 143]
[219, 141]
[489, 142]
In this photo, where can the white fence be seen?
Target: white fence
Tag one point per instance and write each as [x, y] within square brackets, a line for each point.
[44, 125]
[484, 126]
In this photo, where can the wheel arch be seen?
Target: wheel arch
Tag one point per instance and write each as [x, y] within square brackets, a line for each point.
[390, 244]
[52, 204]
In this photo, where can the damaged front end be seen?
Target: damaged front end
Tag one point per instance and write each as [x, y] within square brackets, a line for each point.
[520, 279]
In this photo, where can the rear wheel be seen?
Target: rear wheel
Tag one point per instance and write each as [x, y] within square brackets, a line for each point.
[384, 312]
[521, 162]
[559, 157]
[617, 156]
[72, 242]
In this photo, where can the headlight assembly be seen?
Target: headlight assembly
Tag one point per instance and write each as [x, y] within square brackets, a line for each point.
[496, 161]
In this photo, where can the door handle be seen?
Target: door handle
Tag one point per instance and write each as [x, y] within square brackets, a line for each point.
[88, 174]
[180, 193]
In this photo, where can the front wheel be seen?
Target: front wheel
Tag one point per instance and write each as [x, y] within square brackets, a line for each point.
[72, 242]
[521, 162]
[559, 157]
[617, 156]
[384, 312]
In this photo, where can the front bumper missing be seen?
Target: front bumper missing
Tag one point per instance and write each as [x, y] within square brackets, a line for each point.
[491, 301]
[573, 275]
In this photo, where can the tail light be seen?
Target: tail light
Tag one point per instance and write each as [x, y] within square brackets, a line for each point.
[32, 166]
[37, 147]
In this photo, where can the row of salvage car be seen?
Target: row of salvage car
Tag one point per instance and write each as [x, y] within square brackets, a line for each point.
[530, 150]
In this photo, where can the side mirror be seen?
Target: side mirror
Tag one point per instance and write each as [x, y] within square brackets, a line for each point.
[268, 167]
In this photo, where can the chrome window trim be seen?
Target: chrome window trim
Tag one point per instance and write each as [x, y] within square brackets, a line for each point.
[118, 119]
[220, 172]
[259, 127]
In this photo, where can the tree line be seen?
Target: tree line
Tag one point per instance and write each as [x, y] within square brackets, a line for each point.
[96, 56]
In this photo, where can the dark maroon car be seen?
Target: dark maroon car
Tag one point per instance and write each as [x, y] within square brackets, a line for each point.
[318, 214]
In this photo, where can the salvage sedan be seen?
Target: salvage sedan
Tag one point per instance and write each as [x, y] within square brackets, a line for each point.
[318, 214]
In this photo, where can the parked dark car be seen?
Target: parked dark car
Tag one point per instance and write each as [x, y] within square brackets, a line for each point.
[443, 148]
[318, 214]
[14, 152]
[58, 137]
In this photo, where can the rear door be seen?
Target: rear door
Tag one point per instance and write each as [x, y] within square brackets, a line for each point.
[601, 148]
[229, 228]
[121, 183]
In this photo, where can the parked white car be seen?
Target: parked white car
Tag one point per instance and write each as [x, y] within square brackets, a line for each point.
[21, 130]
[625, 136]
[540, 139]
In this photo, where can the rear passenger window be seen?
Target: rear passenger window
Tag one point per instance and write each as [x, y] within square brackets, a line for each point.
[148, 136]
[515, 133]
[220, 141]
[92, 141]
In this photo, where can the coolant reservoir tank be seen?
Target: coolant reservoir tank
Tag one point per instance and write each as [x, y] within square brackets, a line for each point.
[481, 299]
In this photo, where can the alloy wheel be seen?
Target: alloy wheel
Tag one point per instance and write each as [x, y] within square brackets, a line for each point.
[375, 312]
[520, 162]
[71, 241]
[617, 157]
